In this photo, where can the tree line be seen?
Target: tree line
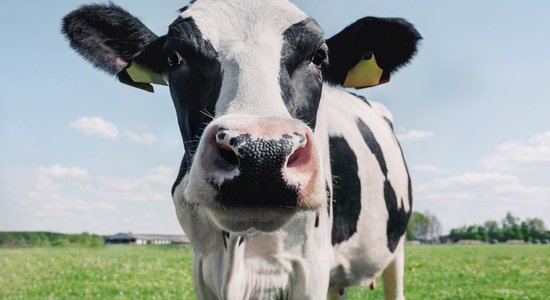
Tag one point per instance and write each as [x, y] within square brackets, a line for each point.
[46, 239]
[510, 228]
[426, 227]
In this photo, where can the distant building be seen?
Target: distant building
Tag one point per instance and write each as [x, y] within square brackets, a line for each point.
[469, 242]
[146, 239]
[515, 242]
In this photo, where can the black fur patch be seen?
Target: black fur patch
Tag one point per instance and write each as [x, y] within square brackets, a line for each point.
[194, 85]
[397, 217]
[105, 34]
[316, 220]
[393, 42]
[389, 122]
[187, 6]
[346, 191]
[225, 236]
[329, 198]
[409, 181]
[373, 145]
[181, 173]
[301, 83]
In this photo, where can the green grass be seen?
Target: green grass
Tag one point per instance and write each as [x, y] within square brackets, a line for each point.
[473, 272]
[111, 272]
[164, 272]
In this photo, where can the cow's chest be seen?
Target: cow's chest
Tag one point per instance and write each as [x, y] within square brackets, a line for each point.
[270, 279]
[251, 278]
[268, 266]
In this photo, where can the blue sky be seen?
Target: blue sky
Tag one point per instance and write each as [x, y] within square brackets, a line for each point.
[81, 152]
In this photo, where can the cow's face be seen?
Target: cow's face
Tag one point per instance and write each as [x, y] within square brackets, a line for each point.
[251, 72]
[246, 79]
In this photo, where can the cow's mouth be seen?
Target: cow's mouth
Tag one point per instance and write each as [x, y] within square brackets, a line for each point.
[267, 192]
[264, 205]
[250, 219]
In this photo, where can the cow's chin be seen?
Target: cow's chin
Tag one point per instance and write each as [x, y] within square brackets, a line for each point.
[250, 220]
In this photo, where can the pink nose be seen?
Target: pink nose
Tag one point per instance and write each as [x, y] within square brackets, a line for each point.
[251, 168]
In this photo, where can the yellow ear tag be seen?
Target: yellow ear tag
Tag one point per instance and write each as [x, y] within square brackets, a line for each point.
[365, 73]
[141, 73]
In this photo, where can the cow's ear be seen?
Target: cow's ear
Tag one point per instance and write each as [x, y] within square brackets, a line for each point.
[117, 42]
[366, 52]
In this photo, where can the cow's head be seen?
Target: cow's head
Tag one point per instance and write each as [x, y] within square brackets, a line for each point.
[246, 79]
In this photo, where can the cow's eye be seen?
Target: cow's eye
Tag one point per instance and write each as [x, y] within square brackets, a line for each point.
[175, 60]
[319, 57]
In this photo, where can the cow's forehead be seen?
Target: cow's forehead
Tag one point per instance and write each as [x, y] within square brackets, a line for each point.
[224, 22]
[248, 37]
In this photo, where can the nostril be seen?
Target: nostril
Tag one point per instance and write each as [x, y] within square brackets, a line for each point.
[294, 157]
[302, 165]
[221, 135]
[229, 159]
[298, 158]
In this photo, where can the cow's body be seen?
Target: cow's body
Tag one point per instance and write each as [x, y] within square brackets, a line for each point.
[296, 261]
[290, 188]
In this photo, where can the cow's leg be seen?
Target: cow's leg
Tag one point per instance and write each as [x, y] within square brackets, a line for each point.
[393, 275]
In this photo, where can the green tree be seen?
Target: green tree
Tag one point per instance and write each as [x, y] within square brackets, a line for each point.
[509, 221]
[411, 227]
[492, 229]
[512, 229]
[423, 226]
[537, 229]
[525, 231]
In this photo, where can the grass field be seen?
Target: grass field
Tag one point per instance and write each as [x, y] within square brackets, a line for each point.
[164, 272]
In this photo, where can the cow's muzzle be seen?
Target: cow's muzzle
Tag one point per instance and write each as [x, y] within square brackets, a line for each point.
[263, 163]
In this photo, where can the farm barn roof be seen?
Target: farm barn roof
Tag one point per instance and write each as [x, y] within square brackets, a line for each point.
[132, 237]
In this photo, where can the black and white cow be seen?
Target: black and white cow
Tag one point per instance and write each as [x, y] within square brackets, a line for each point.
[290, 187]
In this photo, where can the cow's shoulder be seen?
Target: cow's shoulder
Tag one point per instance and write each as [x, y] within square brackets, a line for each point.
[365, 159]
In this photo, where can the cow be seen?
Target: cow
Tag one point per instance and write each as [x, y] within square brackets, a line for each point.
[290, 187]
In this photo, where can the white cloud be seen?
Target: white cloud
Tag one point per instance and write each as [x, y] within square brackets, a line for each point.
[429, 168]
[96, 126]
[500, 187]
[100, 127]
[72, 199]
[513, 156]
[59, 188]
[414, 135]
[71, 205]
[161, 175]
[145, 138]
[45, 179]
[64, 172]
[153, 187]
[475, 197]
[44, 184]
[473, 179]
